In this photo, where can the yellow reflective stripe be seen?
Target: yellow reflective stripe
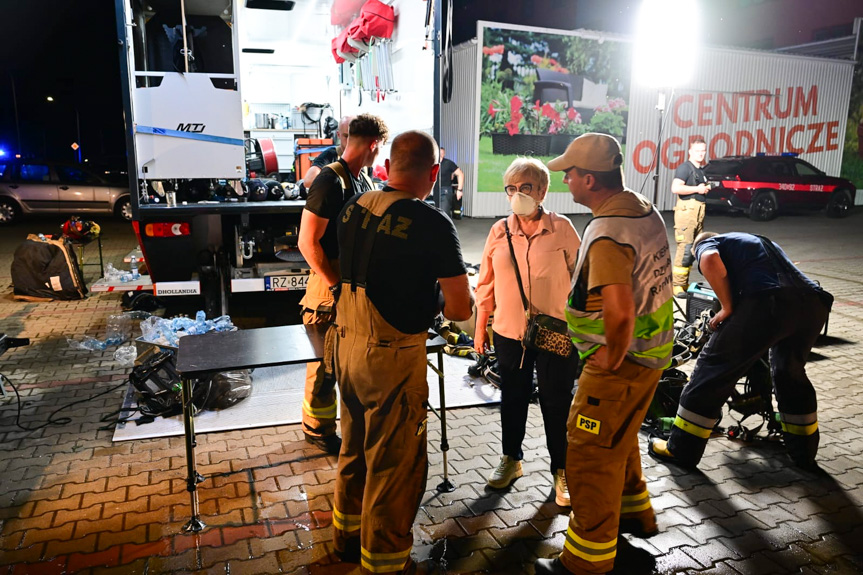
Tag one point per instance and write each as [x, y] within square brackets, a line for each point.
[679, 270]
[635, 503]
[635, 508]
[345, 521]
[691, 428]
[328, 412]
[589, 550]
[800, 429]
[384, 562]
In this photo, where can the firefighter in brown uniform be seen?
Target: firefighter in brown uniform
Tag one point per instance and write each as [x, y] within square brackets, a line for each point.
[620, 318]
[690, 186]
[395, 252]
[334, 185]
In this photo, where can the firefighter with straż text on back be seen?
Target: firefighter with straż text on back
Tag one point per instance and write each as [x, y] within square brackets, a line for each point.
[400, 264]
[767, 305]
[691, 187]
[332, 188]
[620, 317]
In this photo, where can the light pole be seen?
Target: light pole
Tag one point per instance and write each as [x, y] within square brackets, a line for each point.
[665, 54]
[77, 145]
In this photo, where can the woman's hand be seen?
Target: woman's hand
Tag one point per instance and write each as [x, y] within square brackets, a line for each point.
[480, 342]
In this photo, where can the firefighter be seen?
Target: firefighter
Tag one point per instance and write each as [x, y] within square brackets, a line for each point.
[332, 188]
[620, 316]
[395, 252]
[690, 186]
[767, 304]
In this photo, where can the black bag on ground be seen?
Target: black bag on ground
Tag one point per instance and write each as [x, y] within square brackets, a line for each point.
[46, 269]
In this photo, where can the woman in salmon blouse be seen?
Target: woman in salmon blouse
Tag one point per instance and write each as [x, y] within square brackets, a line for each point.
[545, 246]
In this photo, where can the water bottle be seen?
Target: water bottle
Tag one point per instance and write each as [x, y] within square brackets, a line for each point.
[133, 267]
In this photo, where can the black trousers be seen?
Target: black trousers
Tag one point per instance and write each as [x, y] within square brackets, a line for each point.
[784, 322]
[556, 378]
[446, 200]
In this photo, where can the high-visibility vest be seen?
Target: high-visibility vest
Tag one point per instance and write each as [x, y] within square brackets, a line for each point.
[653, 335]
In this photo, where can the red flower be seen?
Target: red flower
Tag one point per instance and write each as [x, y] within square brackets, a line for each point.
[512, 127]
[537, 60]
[491, 110]
[549, 112]
[515, 105]
[536, 106]
[573, 115]
[497, 49]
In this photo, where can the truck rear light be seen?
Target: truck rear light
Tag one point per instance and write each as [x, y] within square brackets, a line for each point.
[167, 229]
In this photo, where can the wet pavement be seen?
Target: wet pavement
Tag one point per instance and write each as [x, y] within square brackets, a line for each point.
[71, 501]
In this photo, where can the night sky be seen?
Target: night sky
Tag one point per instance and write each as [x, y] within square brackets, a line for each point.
[66, 49]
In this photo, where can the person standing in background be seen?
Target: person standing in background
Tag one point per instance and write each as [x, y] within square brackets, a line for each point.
[451, 186]
[329, 155]
[690, 186]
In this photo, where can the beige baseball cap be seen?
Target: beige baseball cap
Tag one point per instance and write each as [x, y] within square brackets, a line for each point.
[593, 152]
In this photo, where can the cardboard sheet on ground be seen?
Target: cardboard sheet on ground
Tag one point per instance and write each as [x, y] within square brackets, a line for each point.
[277, 398]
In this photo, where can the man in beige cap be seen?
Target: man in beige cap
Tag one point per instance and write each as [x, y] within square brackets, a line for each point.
[620, 318]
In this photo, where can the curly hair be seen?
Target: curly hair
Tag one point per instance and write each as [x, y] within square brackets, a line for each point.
[369, 126]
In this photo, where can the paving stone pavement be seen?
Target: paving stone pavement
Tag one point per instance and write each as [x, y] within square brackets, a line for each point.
[71, 501]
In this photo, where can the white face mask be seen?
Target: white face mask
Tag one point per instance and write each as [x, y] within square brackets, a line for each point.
[522, 204]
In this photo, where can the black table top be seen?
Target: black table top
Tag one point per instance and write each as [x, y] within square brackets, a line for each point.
[262, 347]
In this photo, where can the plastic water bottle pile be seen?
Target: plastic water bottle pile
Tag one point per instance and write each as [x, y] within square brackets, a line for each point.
[169, 331]
[112, 274]
[117, 331]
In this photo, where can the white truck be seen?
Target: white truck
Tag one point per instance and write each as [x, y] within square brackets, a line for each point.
[203, 79]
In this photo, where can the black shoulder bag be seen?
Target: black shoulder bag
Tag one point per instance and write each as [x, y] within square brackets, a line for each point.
[544, 332]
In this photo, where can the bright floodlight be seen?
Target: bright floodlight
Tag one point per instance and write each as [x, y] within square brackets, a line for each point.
[667, 42]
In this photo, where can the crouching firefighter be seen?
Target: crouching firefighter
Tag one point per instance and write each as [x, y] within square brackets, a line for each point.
[395, 251]
[767, 305]
[620, 317]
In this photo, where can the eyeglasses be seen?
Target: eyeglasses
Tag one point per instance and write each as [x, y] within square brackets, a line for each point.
[524, 189]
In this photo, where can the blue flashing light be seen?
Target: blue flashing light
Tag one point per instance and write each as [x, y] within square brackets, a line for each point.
[790, 154]
[760, 154]
[2, 152]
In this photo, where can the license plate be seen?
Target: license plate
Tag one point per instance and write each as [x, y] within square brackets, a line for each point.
[284, 283]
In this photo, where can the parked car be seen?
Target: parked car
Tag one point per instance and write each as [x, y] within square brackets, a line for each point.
[763, 185]
[40, 187]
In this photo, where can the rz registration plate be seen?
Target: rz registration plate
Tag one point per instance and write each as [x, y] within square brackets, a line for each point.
[283, 283]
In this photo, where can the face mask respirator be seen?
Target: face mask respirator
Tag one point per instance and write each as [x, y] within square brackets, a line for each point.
[522, 204]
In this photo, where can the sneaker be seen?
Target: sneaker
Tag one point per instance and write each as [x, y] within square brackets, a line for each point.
[561, 493]
[327, 443]
[508, 470]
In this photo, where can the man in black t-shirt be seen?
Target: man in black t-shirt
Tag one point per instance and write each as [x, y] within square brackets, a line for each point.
[690, 186]
[318, 243]
[395, 252]
[450, 177]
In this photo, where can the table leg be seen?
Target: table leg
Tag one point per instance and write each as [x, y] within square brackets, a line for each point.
[193, 478]
[446, 485]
